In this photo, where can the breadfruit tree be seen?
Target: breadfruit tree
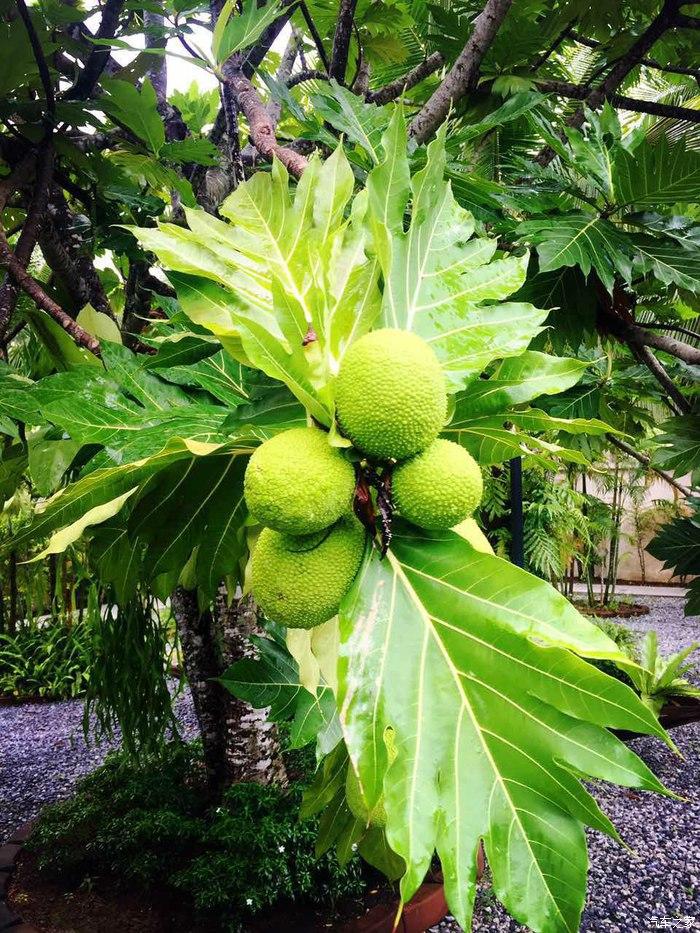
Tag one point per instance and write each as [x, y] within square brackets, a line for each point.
[313, 323]
[448, 691]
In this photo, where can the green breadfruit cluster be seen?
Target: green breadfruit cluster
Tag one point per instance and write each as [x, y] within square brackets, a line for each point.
[307, 555]
[391, 402]
[390, 394]
[439, 487]
[299, 581]
[297, 483]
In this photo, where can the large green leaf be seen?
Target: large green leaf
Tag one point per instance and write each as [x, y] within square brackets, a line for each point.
[137, 110]
[470, 666]
[680, 450]
[361, 123]
[49, 458]
[491, 441]
[68, 505]
[520, 379]
[286, 284]
[438, 281]
[677, 544]
[13, 463]
[272, 680]
[194, 504]
[580, 239]
[485, 417]
[130, 428]
[239, 25]
[669, 261]
[654, 174]
[219, 374]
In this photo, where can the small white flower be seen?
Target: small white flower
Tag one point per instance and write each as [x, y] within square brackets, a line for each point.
[354, 847]
[280, 848]
[249, 901]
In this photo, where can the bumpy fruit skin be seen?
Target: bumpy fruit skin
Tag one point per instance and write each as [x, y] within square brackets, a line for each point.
[390, 394]
[439, 487]
[357, 804]
[297, 483]
[300, 581]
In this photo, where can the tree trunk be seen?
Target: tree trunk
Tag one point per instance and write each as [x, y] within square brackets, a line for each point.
[240, 744]
[202, 662]
[252, 745]
[14, 595]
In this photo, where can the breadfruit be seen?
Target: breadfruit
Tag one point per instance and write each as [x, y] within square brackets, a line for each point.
[439, 487]
[300, 581]
[357, 805]
[390, 394]
[297, 483]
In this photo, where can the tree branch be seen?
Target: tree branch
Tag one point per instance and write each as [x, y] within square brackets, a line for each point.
[582, 92]
[647, 62]
[311, 26]
[679, 349]
[62, 248]
[675, 327]
[554, 45]
[646, 461]
[100, 55]
[686, 22]
[262, 131]
[44, 74]
[43, 301]
[664, 20]
[413, 77]
[235, 175]
[676, 398]
[30, 232]
[308, 74]
[464, 73]
[341, 40]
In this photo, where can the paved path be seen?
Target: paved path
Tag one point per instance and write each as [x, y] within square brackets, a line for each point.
[43, 753]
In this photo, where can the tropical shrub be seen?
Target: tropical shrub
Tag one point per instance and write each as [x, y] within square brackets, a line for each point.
[659, 678]
[677, 544]
[152, 824]
[49, 659]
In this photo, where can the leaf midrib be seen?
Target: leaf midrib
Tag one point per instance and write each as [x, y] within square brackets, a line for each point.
[477, 728]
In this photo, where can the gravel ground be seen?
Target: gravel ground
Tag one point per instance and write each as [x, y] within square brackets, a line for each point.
[43, 753]
[660, 877]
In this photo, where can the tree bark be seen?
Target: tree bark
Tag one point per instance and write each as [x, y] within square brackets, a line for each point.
[581, 92]
[100, 55]
[202, 662]
[240, 744]
[30, 231]
[464, 73]
[14, 596]
[341, 40]
[413, 77]
[62, 248]
[252, 745]
[262, 130]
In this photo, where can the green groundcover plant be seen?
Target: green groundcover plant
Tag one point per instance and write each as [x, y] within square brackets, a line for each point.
[151, 824]
[49, 660]
[454, 685]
